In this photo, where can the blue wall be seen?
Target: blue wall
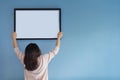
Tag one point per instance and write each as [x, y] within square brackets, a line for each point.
[90, 48]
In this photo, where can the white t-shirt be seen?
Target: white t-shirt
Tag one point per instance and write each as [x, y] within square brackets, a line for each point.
[41, 73]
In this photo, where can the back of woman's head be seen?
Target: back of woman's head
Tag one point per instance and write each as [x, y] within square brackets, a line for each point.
[32, 52]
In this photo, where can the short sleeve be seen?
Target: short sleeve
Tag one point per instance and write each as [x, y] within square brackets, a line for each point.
[51, 54]
[19, 54]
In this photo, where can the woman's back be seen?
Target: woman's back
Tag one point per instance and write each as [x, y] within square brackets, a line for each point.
[41, 73]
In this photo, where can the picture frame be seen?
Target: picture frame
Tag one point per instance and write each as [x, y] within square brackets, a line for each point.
[37, 23]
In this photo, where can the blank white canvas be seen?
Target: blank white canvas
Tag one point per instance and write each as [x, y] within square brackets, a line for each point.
[37, 23]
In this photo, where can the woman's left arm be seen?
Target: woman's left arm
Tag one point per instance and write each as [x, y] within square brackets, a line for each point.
[16, 49]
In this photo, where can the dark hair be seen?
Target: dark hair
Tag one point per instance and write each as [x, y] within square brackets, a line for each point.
[32, 52]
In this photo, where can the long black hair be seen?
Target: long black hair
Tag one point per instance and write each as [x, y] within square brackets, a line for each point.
[32, 52]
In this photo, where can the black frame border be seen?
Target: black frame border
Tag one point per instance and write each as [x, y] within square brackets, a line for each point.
[15, 9]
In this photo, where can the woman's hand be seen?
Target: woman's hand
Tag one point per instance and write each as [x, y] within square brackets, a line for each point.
[14, 35]
[60, 34]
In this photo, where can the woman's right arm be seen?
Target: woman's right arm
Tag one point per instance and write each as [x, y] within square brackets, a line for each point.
[52, 53]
